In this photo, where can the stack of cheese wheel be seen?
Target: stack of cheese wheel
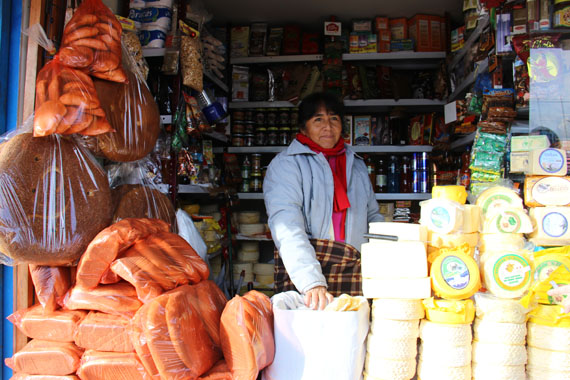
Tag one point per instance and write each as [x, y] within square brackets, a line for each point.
[499, 350]
[505, 265]
[248, 252]
[264, 274]
[393, 337]
[450, 222]
[548, 343]
[547, 193]
[249, 223]
[246, 268]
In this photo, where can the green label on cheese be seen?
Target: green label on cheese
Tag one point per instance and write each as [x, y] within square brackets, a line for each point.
[455, 272]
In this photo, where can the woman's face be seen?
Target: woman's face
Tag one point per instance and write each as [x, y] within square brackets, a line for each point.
[324, 128]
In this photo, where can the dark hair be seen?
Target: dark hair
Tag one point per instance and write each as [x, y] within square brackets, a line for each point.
[312, 103]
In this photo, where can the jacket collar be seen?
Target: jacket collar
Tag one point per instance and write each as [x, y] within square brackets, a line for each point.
[298, 148]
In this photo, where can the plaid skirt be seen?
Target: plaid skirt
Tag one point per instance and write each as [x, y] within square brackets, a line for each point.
[340, 263]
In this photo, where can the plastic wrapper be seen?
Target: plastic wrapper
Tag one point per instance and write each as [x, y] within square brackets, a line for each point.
[107, 245]
[132, 113]
[118, 299]
[246, 332]
[56, 326]
[171, 338]
[25, 376]
[131, 42]
[92, 42]
[491, 308]
[191, 62]
[55, 199]
[104, 332]
[135, 196]
[158, 263]
[42, 357]
[190, 233]
[219, 371]
[67, 103]
[50, 284]
[97, 365]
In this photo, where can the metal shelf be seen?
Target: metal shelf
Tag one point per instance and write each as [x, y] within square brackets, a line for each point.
[276, 59]
[481, 24]
[463, 141]
[153, 52]
[403, 196]
[252, 238]
[391, 148]
[256, 149]
[482, 66]
[194, 189]
[279, 104]
[405, 55]
[214, 79]
[393, 102]
[250, 195]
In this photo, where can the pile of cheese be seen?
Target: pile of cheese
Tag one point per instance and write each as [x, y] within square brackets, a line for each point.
[499, 333]
[392, 341]
[248, 262]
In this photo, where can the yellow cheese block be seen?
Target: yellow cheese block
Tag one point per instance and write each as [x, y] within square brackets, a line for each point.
[507, 220]
[441, 215]
[528, 143]
[519, 162]
[547, 260]
[551, 226]
[264, 279]
[455, 276]
[497, 242]
[498, 197]
[450, 192]
[542, 191]
[549, 315]
[438, 240]
[449, 311]
[506, 274]
[434, 253]
[471, 219]
[263, 269]
[549, 161]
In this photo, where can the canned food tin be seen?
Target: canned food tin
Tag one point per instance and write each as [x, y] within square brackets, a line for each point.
[259, 117]
[271, 117]
[237, 139]
[294, 118]
[260, 136]
[248, 115]
[420, 181]
[283, 117]
[255, 162]
[238, 128]
[249, 139]
[238, 116]
[420, 161]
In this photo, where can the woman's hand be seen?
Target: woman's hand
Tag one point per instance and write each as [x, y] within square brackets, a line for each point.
[558, 293]
[318, 298]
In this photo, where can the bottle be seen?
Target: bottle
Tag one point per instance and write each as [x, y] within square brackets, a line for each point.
[245, 168]
[381, 177]
[406, 175]
[465, 175]
[393, 175]
[371, 167]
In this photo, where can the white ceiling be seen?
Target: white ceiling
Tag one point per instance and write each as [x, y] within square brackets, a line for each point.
[312, 13]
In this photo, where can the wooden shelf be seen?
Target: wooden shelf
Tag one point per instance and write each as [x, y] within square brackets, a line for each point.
[276, 59]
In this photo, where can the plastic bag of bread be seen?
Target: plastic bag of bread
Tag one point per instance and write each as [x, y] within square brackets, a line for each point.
[119, 299]
[136, 196]
[104, 332]
[246, 333]
[67, 102]
[57, 326]
[55, 199]
[174, 337]
[92, 42]
[25, 376]
[97, 365]
[158, 263]
[133, 114]
[50, 284]
[42, 357]
[219, 371]
[107, 245]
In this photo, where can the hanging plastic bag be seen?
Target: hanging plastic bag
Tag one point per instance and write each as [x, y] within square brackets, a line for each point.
[136, 196]
[55, 199]
[191, 62]
[92, 42]
[132, 113]
[219, 371]
[187, 229]
[50, 284]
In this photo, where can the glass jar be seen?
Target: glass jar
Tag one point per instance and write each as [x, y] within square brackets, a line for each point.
[294, 118]
[245, 188]
[271, 117]
[238, 116]
[248, 115]
[260, 136]
[249, 127]
[259, 117]
[255, 162]
[272, 135]
[283, 117]
[245, 168]
[249, 139]
[238, 127]
[284, 136]
[237, 139]
[256, 182]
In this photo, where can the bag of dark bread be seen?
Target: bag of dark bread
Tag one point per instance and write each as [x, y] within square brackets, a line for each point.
[67, 103]
[92, 42]
[135, 195]
[54, 198]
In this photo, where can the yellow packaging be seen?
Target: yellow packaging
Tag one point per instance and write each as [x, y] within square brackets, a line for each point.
[538, 292]
[433, 252]
[438, 240]
[455, 275]
[547, 260]
[450, 192]
[550, 315]
[445, 311]
[546, 191]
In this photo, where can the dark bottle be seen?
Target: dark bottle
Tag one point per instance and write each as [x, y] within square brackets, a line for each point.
[393, 175]
[381, 177]
[371, 168]
[465, 174]
[406, 175]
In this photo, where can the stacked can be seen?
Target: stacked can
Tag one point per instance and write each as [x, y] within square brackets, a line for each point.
[420, 173]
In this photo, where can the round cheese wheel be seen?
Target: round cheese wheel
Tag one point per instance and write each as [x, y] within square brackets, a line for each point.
[449, 311]
[252, 246]
[507, 274]
[548, 338]
[248, 256]
[389, 369]
[433, 371]
[491, 308]
[392, 329]
[252, 229]
[264, 269]
[499, 332]
[541, 373]
[394, 349]
[558, 360]
[510, 220]
[455, 276]
[397, 309]
[496, 198]
[481, 371]
[499, 354]
[445, 355]
[248, 217]
[451, 334]
[500, 242]
[264, 279]
[239, 267]
[546, 264]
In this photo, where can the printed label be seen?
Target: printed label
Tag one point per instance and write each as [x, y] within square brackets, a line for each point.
[455, 272]
[551, 160]
[554, 224]
[440, 217]
[545, 268]
[508, 222]
[551, 191]
[497, 201]
[512, 272]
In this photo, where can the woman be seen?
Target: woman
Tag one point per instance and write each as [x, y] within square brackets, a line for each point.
[319, 201]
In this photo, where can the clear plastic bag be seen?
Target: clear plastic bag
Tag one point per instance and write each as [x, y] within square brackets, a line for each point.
[55, 199]
[219, 371]
[111, 365]
[50, 284]
[118, 299]
[104, 332]
[42, 357]
[92, 42]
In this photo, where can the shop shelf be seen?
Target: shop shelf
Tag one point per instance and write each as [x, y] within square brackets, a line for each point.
[403, 196]
[250, 195]
[256, 149]
[194, 189]
[216, 136]
[276, 59]
[481, 25]
[463, 141]
[482, 66]
[252, 238]
[399, 55]
[279, 104]
[153, 52]
[214, 79]
[393, 102]
[392, 148]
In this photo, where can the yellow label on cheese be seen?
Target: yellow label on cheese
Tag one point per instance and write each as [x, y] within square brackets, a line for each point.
[450, 192]
[449, 311]
[546, 191]
[496, 198]
[455, 276]
[507, 274]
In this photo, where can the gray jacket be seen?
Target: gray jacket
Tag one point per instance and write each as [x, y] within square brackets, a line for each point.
[298, 190]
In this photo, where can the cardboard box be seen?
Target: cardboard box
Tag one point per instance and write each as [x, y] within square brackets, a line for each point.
[381, 23]
[443, 28]
[383, 41]
[420, 32]
[435, 33]
[361, 135]
[362, 26]
[353, 43]
[398, 28]
[347, 130]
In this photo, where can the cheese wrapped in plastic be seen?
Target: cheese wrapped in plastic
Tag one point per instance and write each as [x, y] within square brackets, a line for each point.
[547, 260]
[441, 215]
[454, 193]
[434, 253]
[454, 240]
[451, 312]
[41, 357]
[552, 226]
[455, 275]
[550, 315]
[50, 284]
[506, 274]
[538, 292]
[507, 220]
[57, 326]
[497, 198]
[498, 242]
[104, 332]
[97, 365]
[491, 308]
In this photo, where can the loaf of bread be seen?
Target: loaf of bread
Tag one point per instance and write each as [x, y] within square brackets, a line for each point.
[54, 199]
[133, 113]
[145, 202]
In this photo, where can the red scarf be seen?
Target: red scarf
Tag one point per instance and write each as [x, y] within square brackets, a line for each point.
[340, 200]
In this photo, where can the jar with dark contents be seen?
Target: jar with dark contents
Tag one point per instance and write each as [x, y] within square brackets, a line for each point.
[238, 127]
[238, 116]
[255, 162]
[284, 136]
[259, 117]
[249, 127]
[260, 136]
[256, 181]
[237, 139]
[283, 117]
[248, 115]
[294, 118]
[271, 117]
[249, 139]
[272, 136]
